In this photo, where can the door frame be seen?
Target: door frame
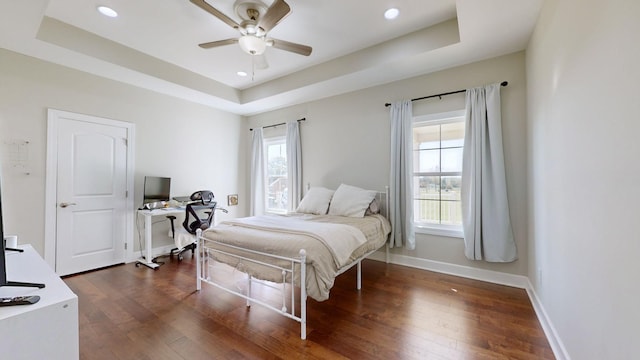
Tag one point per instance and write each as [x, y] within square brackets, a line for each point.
[51, 182]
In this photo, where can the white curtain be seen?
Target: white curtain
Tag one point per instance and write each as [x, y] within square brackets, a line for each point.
[485, 210]
[257, 201]
[294, 165]
[401, 181]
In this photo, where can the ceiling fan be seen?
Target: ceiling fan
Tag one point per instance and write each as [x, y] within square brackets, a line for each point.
[257, 21]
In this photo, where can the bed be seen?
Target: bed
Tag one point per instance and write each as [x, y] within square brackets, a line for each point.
[331, 232]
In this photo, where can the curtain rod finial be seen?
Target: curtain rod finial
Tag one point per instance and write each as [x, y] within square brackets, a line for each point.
[504, 83]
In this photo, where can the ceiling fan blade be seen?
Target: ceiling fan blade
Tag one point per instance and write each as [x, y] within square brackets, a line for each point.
[215, 12]
[260, 61]
[209, 45]
[276, 12]
[292, 47]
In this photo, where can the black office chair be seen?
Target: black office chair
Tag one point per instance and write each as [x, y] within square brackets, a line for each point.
[198, 215]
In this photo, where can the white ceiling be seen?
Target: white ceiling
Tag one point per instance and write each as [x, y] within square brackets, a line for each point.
[153, 44]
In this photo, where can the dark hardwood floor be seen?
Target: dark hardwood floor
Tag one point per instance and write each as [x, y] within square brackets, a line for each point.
[127, 312]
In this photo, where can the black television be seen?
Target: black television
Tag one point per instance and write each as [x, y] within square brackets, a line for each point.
[156, 189]
[3, 258]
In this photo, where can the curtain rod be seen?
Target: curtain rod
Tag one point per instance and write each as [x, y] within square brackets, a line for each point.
[504, 83]
[274, 125]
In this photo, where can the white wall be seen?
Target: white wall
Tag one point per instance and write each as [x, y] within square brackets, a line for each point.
[198, 147]
[346, 139]
[583, 126]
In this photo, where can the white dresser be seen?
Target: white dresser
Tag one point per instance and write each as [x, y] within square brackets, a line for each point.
[47, 329]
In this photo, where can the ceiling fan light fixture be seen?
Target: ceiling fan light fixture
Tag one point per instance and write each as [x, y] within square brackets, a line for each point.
[107, 11]
[252, 45]
[391, 13]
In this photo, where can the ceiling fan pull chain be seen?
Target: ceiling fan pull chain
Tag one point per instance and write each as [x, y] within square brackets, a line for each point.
[253, 67]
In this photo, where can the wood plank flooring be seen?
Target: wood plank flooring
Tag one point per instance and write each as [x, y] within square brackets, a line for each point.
[127, 312]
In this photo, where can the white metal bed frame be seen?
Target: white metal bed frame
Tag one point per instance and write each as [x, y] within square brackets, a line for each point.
[203, 256]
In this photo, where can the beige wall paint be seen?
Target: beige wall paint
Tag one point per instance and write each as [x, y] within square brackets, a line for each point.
[582, 71]
[346, 139]
[198, 147]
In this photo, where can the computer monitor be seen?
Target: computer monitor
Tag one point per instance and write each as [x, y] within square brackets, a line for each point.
[156, 189]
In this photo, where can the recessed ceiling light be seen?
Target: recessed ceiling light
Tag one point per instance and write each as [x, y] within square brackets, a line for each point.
[241, 73]
[391, 14]
[107, 11]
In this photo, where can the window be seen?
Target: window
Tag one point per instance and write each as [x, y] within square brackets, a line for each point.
[276, 153]
[438, 141]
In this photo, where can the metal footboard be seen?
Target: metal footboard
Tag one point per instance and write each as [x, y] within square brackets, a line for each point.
[205, 254]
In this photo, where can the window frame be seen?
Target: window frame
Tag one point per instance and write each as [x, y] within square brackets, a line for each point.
[446, 230]
[273, 140]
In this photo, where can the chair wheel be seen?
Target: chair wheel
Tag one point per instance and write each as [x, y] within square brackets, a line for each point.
[180, 257]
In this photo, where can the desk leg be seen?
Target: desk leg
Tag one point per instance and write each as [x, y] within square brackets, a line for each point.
[148, 246]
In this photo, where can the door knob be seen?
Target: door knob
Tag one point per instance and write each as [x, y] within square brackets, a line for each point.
[64, 204]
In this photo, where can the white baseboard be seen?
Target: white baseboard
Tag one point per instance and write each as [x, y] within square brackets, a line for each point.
[547, 326]
[495, 277]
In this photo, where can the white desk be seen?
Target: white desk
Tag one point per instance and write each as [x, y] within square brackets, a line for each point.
[148, 237]
[47, 329]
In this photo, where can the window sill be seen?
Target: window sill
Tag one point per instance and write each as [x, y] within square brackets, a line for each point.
[428, 230]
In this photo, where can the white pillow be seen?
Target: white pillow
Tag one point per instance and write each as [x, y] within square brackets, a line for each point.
[316, 201]
[350, 201]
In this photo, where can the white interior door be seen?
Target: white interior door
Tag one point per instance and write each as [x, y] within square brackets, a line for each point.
[91, 194]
